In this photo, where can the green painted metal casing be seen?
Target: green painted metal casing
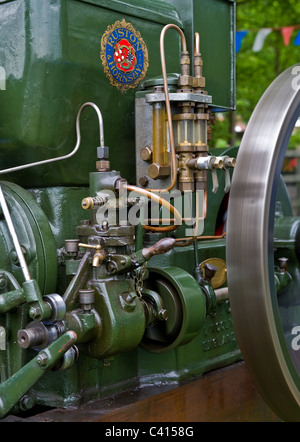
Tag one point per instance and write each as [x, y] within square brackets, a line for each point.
[52, 63]
[215, 23]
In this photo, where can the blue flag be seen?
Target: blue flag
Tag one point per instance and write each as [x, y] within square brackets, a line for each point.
[240, 35]
[297, 39]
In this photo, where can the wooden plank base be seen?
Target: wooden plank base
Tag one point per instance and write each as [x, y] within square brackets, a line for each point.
[224, 395]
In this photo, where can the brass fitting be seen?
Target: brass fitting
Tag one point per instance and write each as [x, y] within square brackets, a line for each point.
[87, 203]
[206, 163]
[93, 202]
[156, 171]
[99, 255]
[103, 165]
[217, 163]
[229, 162]
[98, 258]
[186, 176]
[146, 153]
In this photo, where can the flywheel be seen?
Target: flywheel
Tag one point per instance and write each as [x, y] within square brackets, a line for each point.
[35, 237]
[263, 252]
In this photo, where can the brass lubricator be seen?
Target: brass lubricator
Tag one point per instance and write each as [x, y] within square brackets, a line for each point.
[188, 128]
[184, 127]
[201, 123]
[159, 155]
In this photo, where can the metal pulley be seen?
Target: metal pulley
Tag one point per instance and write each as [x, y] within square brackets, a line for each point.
[185, 304]
[264, 302]
[35, 238]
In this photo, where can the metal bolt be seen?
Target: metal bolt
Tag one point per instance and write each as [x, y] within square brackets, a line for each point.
[3, 282]
[209, 271]
[87, 299]
[103, 152]
[26, 403]
[146, 153]
[130, 297]
[14, 256]
[105, 225]
[143, 180]
[35, 312]
[42, 359]
[163, 314]
[111, 267]
[283, 264]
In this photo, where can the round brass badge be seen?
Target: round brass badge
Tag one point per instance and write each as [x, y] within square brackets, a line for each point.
[124, 55]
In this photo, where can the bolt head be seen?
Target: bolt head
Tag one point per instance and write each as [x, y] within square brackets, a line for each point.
[102, 152]
[163, 314]
[42, 359]
[35, 312]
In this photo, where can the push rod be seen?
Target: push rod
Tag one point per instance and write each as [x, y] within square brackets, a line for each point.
[14, 236]
[12, 390]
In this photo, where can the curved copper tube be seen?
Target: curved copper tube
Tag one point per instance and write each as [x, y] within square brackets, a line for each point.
[182, 243]
[168, 106]
[160, 201]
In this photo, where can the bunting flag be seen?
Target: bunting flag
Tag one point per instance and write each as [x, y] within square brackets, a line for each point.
[297, 39]
[240, 35]
[262, 34]
[286, 34]
[260, 39]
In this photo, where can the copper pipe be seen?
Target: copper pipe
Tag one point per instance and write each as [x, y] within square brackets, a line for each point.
[205, 238]
[168, 106]
[160, 201]
[187, 242]
[171, 137]
[160, 228]
[171, 220]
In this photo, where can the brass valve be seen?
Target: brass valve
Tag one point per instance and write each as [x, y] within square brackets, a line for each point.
[208, 162]
[214, 163]
[99, 255]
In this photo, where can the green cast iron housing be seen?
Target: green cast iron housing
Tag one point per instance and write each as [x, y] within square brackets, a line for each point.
[53, 65]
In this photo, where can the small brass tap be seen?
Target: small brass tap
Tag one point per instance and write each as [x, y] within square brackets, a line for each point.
[99, 255]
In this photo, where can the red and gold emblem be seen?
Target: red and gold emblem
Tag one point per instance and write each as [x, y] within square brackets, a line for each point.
[124, 55]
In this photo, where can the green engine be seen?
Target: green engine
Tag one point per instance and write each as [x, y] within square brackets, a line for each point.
[113, 267]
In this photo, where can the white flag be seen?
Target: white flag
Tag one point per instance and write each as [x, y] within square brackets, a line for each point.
[260, 39]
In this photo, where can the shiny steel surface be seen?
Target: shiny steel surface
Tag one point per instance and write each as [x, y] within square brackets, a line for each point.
[250, 259]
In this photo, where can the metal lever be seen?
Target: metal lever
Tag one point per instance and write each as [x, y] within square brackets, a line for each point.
[161, 247]
[227, 164]
[18, 384]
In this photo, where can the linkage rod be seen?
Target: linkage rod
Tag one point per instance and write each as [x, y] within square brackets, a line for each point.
[14, 236]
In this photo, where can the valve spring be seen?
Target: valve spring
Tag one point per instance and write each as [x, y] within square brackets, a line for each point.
[93, 202]
[99, 201]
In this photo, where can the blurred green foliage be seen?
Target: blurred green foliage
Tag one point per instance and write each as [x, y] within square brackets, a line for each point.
[256, 70]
